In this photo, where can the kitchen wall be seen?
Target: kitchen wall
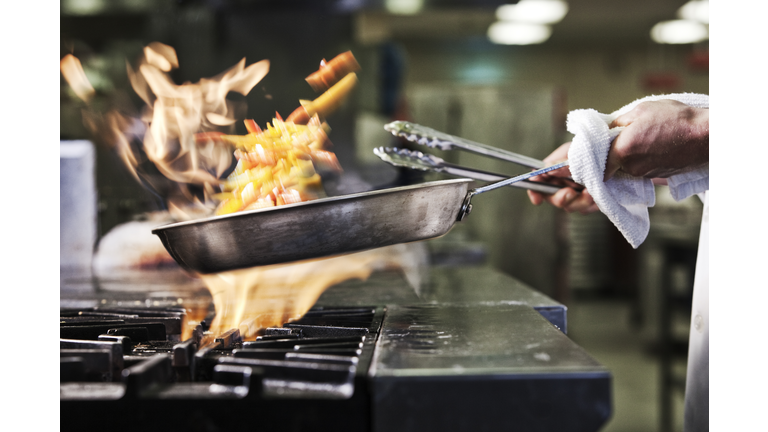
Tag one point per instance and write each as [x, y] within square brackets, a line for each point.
[589, 77]
[518, 98]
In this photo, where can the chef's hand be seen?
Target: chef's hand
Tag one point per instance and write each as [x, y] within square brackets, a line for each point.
[567, 198]
[660, 139]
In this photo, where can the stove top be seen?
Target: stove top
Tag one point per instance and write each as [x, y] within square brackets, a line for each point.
[473, 349]
[116, 374]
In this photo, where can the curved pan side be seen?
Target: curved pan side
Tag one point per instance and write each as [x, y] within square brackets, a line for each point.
[315, 229]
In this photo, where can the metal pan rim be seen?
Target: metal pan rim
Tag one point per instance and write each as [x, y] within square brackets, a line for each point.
[319, 201]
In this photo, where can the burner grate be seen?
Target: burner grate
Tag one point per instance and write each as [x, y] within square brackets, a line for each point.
[109, 362]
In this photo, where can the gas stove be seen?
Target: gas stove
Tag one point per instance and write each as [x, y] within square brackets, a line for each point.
[473, 349]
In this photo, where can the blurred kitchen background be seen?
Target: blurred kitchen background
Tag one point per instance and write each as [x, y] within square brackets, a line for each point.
[486, 70]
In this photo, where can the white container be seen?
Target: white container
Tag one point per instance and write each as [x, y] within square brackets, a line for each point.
[78, 214]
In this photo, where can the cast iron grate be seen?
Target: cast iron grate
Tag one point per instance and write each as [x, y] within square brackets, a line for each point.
[120, 361]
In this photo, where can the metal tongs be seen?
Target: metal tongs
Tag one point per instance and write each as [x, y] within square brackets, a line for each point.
[435, 139]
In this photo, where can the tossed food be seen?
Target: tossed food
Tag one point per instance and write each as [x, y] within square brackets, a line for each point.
[276, 166]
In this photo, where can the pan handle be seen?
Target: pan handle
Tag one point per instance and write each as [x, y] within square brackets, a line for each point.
[466, 205]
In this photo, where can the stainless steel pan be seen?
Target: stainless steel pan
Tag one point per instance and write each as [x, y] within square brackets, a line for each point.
[313, 229]
[323, 227]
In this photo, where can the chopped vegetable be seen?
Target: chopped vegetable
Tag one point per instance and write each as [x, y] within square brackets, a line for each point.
[326, 103]
[276, 166]
[332, 71]
[279, 164]
[206, 136]
[251, 126]
[229, 206]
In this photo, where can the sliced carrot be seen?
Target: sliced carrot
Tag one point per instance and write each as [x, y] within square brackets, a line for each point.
[299, 115]
[251, 126]
[326, 103]
[326, 160]
[331, 72]
[201, 137]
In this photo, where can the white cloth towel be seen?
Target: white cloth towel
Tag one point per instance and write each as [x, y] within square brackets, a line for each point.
[623, 198]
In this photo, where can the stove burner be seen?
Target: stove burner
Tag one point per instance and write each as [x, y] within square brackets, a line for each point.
[116, 358]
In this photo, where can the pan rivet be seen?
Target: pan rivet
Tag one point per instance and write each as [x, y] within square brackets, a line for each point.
[469, 209]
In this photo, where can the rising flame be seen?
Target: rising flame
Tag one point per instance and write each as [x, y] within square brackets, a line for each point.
[168, 125]
[74, 73]
[269, 296]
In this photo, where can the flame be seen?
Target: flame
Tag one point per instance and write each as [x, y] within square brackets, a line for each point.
[269, 296]
[74, 73]
[167, 126]
[178, 112]
[196, 311]
[161, 56]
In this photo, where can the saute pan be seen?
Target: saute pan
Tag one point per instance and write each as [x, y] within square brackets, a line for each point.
[324, 227]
